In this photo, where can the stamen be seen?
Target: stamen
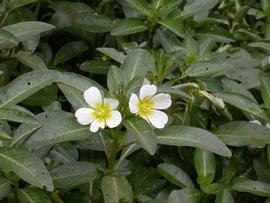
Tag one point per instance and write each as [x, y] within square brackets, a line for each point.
[145, 107]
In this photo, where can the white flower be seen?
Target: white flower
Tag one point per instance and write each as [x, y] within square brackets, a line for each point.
[101, 112]
[148, 103]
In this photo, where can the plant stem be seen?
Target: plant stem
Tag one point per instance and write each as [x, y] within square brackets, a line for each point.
[113, 151]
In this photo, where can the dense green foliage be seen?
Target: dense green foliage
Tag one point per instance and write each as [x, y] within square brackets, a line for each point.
[211, 56]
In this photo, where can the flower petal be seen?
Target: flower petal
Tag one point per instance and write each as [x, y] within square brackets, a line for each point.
[146, 82]
[112, 102]
[133, 103]
[158, 119]
[92, 96]
[147, 91]
[115, 119]
[84, 116]
[94, 126]
[102, 124]
[161, 101]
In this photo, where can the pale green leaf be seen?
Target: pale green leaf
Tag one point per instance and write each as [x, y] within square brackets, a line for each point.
[143, 133]
[27, 166]
[74, 174]
[193, 137]
[30, 60]
[33, 195]
[116, 189]
[243, 133]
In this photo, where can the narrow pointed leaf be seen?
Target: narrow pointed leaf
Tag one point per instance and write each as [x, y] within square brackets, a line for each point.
[113, 53]
[27, 166]
[193, 137]
[33, 195]
[143, 133]
[4, 187]
[26, 85]
[116, 189]
[137, 63]
[17, 114]
[128, 27]
[243, 103]
[175, 175]
[26, 30]
[74, 174]
[30, 60]
[7, 39]
[242, 133]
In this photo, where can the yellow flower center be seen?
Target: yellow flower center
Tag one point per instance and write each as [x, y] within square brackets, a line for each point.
[145, 107]
[102, 112]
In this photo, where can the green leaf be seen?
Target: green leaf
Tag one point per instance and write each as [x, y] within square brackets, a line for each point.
[43, 97]
[193, 137]
[242, 133]
[168, 41]
[14, 4]
[175, 25]
[224, 196]
[74, 174]
[77, 81]
[137, 63]
[23, 132]
[73, 95]
[4, 136]
[263, 45]
[4, 187]
[116, 189]
[27, 166]
[17, 114]
[251, 186]
[244, 103]
[7, 40]
[26, 30]
[235, 87]
[216, 33]
[96, 67]
[205, 165]
[197, 7]
[186, 195]
[93, 23]
[128, 27]
[249, 77]
[143, 133]
[26, 85]
[114, 80]
[33, 195]
[113, 53]
[175, 175]
[30, 60]
[204, 69]
[140, 5]
[265, 89]
[69, 51]
[58, 128]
